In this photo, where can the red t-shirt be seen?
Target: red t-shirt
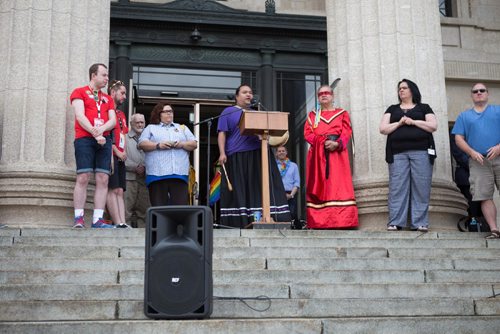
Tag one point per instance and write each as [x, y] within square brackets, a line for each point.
[120, 127]
[87, 96]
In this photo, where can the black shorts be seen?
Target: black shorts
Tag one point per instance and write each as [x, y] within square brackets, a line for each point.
[117, 179]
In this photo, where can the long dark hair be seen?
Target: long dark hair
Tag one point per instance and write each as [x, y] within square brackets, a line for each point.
[415, 92]
[155, 114]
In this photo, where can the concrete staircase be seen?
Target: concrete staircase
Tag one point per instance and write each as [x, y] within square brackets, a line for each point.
[91, 281]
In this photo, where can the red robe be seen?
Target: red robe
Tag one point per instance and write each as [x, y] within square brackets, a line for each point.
[330, 201]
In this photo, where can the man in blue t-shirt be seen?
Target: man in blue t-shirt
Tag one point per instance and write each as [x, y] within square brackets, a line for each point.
[477, 133]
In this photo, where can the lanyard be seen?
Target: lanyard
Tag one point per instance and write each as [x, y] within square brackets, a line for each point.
[98, 101]
[120, 122]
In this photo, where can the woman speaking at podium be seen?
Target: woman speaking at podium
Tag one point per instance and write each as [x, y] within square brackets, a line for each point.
[329, 191]
[240, 157]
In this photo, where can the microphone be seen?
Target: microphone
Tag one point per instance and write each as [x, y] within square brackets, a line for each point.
[254, 103]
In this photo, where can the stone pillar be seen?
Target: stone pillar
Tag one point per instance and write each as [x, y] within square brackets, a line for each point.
[372, 45]
[123, 71]
[47, 48]
[266, 82]
[123, 66]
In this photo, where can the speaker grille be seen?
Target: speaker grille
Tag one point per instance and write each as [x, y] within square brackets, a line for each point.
[177, 285]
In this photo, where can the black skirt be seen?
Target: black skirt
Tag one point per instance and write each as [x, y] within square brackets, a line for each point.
[239, 205]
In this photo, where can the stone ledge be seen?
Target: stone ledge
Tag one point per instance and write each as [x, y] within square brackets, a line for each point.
[471, 70]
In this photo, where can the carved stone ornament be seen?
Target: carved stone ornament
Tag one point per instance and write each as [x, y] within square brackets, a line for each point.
[270, 7]
[199, 5]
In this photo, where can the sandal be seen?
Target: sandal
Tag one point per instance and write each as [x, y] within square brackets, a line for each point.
[393, 228]
[422, 229]
[494, 235]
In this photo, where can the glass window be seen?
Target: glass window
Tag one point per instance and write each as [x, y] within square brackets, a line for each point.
[445, 8]
[297, 92]
[179, 80]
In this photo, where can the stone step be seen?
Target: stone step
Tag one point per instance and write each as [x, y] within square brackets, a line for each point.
[463, 276]
[415, 325]
[458, 253]
[139, 232]
[18, 263]
[322, 308]
[105, 240]
[394, 325]
[339, 234]
[137, 252]
[368, 242]
[211, 326]
[297, 242]
[33, 264]
[59, 277]
[393, 290]
[81, 251]
[299, 276]
[97, 292]
[104, 263]
[336, 252]
[256, 308]
[380, 263]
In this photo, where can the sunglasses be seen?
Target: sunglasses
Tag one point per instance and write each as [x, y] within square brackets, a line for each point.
[117, 83]
[324, 93]
[482, 90]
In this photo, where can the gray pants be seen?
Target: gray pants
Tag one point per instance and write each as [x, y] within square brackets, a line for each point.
[136, 203]
[410, 179]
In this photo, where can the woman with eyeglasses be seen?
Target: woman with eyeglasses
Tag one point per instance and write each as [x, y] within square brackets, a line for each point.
[410, 153]
[167, 146]
[330, 201]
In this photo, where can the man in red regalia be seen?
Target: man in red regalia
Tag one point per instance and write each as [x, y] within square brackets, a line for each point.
[329, 191]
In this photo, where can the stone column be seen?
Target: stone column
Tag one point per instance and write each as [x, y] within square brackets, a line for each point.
[47, 48]
[372, 45]
[266, 82]
[123, 66]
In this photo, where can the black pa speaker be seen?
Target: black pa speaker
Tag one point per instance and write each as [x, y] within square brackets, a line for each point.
[178, 264]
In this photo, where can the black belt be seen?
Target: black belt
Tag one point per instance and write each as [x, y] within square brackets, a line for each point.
[327, 154]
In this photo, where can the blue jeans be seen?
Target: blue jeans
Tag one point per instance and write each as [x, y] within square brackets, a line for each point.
[410, 180]
[92, 157]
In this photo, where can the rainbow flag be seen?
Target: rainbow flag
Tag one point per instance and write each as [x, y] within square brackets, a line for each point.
[215, 188]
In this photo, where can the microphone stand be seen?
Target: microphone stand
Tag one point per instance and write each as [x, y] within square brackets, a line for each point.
[208, 121]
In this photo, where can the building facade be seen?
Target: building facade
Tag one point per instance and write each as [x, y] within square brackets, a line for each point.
[194, 53]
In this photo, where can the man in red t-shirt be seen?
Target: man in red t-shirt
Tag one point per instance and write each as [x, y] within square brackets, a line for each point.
[117, 181]
[94, 118]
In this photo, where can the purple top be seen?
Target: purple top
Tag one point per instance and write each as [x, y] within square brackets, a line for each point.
[235, 142]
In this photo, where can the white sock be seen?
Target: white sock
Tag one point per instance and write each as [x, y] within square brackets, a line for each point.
[98, 214]
[78, 213]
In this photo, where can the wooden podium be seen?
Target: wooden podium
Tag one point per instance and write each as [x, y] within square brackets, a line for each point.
[265, 123]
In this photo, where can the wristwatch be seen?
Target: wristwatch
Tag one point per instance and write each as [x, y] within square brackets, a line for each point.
[157, 146]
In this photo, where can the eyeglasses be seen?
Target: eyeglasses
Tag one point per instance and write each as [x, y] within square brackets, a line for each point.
[326, 92]
[116, 83]
[482, 90]
[168, 111]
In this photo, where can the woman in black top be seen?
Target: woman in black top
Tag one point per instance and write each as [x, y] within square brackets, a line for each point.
[410, 153]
